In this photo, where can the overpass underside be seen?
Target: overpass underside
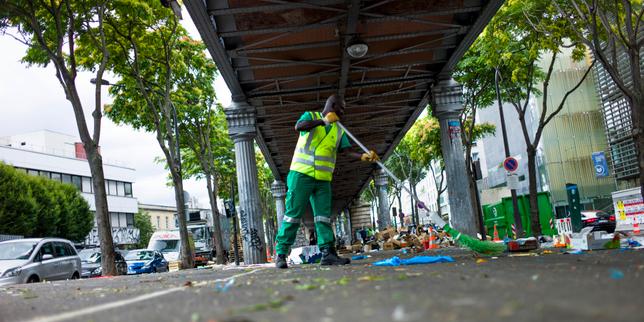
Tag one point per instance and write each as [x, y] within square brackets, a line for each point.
[281, 58]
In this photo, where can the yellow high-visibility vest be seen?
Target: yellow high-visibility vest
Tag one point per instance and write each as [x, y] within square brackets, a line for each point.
[315, 151]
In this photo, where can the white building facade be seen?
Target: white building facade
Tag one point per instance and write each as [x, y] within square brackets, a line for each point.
[61, 157]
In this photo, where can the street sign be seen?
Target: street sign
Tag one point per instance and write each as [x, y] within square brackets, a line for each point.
[513, 181]
[510, 164]
[601, 166]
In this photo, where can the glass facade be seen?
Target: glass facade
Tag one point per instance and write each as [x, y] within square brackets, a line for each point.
[84, 184]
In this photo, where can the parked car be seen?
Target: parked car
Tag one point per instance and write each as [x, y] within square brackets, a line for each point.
[141, 261]
[599, 220]
[36, 259]
[91, 262]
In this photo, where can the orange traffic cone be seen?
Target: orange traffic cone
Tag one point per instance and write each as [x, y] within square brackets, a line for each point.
[636, 229]
[496, 235]
[432, 237]
[268, 256]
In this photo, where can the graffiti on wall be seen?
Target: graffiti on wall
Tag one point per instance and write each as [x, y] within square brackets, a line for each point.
[249, 234]
[120, 236]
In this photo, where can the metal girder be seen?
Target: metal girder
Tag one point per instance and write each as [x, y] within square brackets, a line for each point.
[484, 18]
[367, 84]
[289, 29]
[321, 62]
[274, 7]
[372, 39]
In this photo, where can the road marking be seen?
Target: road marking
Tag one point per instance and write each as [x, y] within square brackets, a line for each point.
[121, 303]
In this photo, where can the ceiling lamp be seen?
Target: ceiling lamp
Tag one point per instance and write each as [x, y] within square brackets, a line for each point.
[357, 48]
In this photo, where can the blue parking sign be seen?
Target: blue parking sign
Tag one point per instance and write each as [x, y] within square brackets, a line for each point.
[601, 166]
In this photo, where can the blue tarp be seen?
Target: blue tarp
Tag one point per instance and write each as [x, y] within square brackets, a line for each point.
[396, 261]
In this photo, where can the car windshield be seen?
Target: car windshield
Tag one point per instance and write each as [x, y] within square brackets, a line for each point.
[16, 250]
[165, 246]
[94, 258]
[86, 253]
[139, 255]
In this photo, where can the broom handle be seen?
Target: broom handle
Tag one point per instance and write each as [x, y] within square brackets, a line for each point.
[437, 219]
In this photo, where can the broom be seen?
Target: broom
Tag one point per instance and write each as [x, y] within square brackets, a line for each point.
[482, 247]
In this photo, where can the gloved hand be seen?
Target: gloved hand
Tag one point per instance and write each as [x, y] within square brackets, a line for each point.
[330, 117]
[370, 156]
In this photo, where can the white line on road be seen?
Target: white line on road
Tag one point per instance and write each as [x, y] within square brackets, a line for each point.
[140, 298]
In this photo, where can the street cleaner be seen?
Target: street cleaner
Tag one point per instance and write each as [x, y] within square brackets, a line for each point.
[309, 180]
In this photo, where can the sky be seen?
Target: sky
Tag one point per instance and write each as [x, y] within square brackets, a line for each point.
[32, 99]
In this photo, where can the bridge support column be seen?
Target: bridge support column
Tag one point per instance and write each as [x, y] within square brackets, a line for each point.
[381, 181]
[278, 188]
[448, 103]
[241, 127]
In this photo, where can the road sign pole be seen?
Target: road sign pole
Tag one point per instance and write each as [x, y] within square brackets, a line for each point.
[513, 192]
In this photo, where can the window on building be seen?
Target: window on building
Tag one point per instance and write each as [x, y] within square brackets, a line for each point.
[114, 219]
[44, 174]
[32, 172]
[120, 189]
[66, 178]
[122, 220]
[158, 222]
[55, 176]
[130, 220]
[77, 181]
[87, 185]
[167, 224]
[128, 189]
[112, 187]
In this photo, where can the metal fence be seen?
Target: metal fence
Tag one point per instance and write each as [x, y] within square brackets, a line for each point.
[9, 237]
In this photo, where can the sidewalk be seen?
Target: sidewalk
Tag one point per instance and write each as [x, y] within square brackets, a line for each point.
[594, 286]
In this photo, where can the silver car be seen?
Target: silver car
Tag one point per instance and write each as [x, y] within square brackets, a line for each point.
[36, 259]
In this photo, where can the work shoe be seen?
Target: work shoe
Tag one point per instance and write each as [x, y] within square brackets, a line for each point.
[281, 261]
[330, 257]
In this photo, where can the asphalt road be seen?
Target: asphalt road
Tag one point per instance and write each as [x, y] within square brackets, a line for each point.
[594, 286]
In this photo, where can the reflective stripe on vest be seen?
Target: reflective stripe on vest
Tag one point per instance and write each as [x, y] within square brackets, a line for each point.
[322, 219]
[315, 153]
[291, 220]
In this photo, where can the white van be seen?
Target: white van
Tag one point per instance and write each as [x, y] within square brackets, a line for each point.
[167, 242]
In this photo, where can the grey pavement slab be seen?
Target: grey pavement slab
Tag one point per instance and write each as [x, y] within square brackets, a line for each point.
[594, 286]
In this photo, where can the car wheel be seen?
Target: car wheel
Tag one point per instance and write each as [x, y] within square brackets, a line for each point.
[75, 276]
[33, 279]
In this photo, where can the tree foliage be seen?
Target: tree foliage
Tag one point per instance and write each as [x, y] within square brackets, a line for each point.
[38, 207]
[522, 35]
[59, 33]
[143, 223]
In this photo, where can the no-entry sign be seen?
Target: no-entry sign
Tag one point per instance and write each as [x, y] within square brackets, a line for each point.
[510, 164]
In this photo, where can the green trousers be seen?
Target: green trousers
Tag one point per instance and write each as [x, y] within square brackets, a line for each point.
[303, 189]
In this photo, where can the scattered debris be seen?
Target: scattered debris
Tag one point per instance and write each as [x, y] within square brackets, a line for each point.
[523, 244]
[481, 261]
[271, 305]
[370, 278]
[188, 284]
[574, 252]
[359, 257]
[616, 274]
[224, 287]
[396, 261]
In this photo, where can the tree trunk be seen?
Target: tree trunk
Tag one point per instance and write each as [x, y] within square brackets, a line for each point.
[534, 208]
[638, 135]
[270, 234]
[217, 238]
[187, 260]
[411, 203]
[95, 161]
[108, 267]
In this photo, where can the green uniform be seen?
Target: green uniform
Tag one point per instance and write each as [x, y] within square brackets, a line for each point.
[309, 181]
